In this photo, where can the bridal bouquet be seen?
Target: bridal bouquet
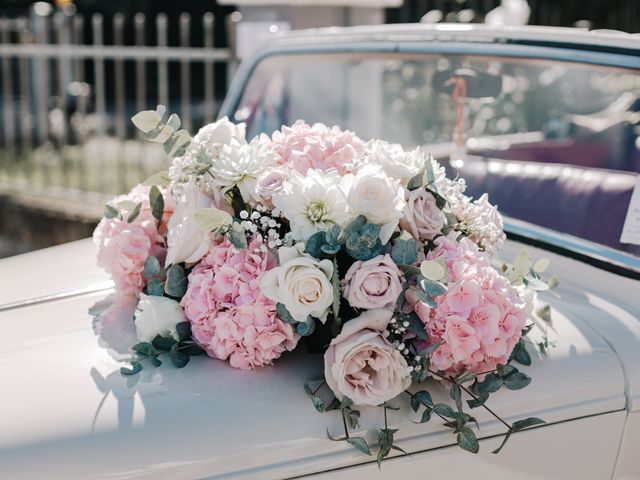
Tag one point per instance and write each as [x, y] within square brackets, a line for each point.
[363, 251]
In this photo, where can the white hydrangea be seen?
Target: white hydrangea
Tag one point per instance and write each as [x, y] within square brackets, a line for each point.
[312, 203]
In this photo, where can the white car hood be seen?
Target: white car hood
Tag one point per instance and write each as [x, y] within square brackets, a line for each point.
[67, 412]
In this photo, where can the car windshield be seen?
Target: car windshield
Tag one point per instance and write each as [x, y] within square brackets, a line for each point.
[554, 143]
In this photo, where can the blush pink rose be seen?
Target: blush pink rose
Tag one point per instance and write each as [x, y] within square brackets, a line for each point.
[421, 216]
[362, 365]
[374, 283]
[124, 246]
[302, 147]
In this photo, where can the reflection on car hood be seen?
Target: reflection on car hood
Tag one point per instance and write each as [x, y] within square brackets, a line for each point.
[65, 402]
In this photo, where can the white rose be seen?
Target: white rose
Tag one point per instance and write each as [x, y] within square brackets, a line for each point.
[269, 183]
[186, 241]
[396, 162]
[157, 316]
[378, 197]
[362, 365]
[220, 132]
[301, 283]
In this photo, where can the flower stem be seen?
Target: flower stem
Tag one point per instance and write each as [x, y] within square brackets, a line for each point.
[344, 423]
[472, 395]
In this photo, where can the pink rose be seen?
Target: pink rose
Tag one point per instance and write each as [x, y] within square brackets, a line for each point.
[422, 217]
[374, 283]
[362, 365]
[270, 182]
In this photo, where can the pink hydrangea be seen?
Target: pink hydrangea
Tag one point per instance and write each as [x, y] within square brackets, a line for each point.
[319, 147]
[124, 246]
[479, 319]
[230, 317]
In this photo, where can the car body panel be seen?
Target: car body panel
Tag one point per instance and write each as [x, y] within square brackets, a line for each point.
[65, 270]
[65, 401]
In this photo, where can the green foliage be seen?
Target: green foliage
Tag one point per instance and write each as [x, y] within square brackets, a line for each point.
[467, 440]
[307, 327]
[111, 212]
[157, 203]
[360, 443]
[134, 213]
[150, 123]
[237, 236]
[155, 287]
[405, 252]
[151, 267]
[179, 351]
[526, 423]
[520, 353]
[385, 443]
[323, 244]
[284, 314]
[176, 283]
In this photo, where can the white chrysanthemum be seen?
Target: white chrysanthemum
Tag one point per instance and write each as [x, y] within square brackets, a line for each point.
[396, 162]
[203, 151]
[241, 164]
[312, 203]
[377, 196]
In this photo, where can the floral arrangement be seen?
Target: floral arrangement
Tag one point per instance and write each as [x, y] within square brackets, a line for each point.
[362, 251]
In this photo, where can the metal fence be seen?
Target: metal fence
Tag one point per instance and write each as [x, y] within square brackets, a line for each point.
[67, 95]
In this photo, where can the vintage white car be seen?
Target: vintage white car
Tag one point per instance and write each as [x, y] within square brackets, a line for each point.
[550, 113]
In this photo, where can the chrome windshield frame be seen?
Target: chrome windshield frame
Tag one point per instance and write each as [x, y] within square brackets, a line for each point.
[589, 252]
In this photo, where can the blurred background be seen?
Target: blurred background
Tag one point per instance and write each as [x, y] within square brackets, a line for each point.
[72, 73]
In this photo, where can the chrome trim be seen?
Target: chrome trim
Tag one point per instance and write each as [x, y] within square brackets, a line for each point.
[569, 243]
[104, 286]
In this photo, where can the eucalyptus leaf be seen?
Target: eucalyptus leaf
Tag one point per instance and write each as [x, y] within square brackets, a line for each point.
[145, 348]
[176, 283]
[432, 288]
[516, 381]
[359, 443]
[424, 398]
[467, 440]
[160, 179]
[405, 252]
[191, 348]
[544, 313]
[284, 314]
[110, 212]
[151, 267]
[157, 203]
[134, 213]
[444, 410]
[526, 423]
[136, 367]
[504, 442]
[163, 343]
[307, 327]
[155, 287]
[520, 353]
[184, 331]
[178, 358]
[491, 383]
[318, 403]
[211, 219]
[237, 236]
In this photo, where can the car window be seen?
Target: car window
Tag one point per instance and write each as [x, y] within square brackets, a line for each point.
[553, 143]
